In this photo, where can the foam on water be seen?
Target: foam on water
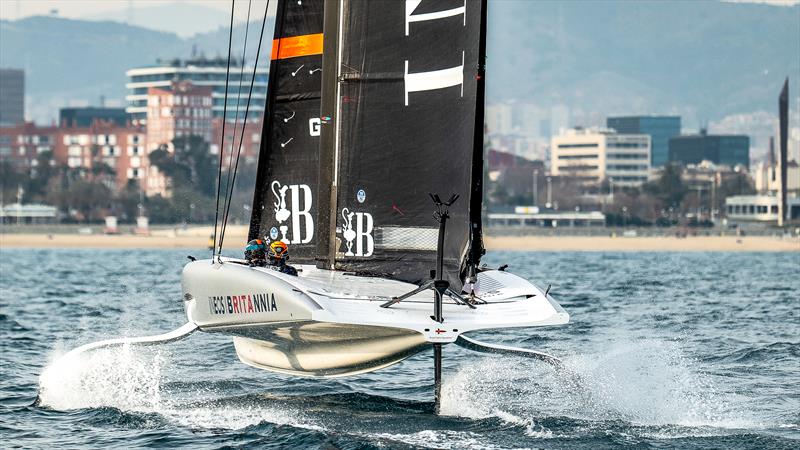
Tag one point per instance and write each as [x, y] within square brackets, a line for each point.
[130, 379]
[439, 439]
[643, 382]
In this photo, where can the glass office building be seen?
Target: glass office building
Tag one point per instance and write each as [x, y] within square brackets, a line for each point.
[660, 129]
[729, 150]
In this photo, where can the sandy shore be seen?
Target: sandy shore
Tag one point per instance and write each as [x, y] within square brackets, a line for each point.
[645, 243]
[198, 239]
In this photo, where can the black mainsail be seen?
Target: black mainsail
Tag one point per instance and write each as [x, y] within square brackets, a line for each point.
[399, 102]
[408, 121]
[287, 187]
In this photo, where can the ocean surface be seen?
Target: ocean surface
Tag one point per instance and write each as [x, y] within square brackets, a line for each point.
[664, 350]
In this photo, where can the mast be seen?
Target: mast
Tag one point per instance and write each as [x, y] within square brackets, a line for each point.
[326, 243]
[783, 113]
[476, 249]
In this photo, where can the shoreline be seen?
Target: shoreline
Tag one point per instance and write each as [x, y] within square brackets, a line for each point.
[197, 240]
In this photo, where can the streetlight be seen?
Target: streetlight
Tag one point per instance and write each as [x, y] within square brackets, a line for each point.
[611, 189]
[535, 186]
[549, 193]
[624, 217]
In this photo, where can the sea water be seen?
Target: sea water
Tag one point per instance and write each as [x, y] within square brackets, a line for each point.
[675, 350]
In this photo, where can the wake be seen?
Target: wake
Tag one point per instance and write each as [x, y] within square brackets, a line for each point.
[646, 382]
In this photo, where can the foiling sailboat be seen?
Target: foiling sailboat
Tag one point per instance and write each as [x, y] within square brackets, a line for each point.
[373, 109]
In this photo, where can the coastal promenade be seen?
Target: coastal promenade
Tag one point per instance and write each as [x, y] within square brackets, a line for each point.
[198, 237]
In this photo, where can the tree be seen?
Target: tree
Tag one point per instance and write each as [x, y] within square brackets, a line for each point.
[88, 197]
[127, 201]
[44, 170]
[190, 166]
[669, 187]
[11, 179]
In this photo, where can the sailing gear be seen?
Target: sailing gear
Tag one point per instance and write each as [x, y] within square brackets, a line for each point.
[278, 255]
[287, 269]
[278, 251]
[256, 253]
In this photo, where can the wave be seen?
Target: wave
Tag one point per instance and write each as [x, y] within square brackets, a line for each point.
[645, 387]
[647, 383]
[130, 379]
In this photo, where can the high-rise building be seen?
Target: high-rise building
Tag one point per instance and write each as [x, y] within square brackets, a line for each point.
[179, 110]
[85, 116]
[200, 72]
[250, 139]
[12, 96]
[120, 148]
[21, 144]
[660, 129]
[103, 143]
[595, 154]
[729, 150]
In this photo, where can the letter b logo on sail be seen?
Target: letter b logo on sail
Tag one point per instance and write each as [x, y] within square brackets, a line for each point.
[364, 242]
[357, 231]
[300, 201]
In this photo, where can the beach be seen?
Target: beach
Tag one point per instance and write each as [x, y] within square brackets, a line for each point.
[198, 237]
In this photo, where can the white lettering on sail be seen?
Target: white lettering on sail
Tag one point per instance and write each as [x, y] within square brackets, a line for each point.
[362, 234]
[298, 211]
[313, 126]
[435, 79]
[412, 5]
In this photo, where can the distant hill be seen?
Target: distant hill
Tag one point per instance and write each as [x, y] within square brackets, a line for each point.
[74, 62]
[194, 18]
[701, 59]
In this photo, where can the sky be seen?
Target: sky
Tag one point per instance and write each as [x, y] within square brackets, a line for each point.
[78, 9]
[15, 9]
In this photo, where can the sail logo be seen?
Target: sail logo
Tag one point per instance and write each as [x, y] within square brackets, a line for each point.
[242, 304]
[314, 125]
[435, 79]
[299, 216]
[357, 230]
[412, 5]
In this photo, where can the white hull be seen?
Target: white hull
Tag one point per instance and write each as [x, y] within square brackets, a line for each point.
[330, 323]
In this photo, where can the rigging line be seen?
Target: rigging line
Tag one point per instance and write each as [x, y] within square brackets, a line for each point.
[241, 138]
[227, 199]
[222, 144]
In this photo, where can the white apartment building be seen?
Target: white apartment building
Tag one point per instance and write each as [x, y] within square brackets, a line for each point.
[759, 208]
[200, 72]
[597, 154]
[768, 178]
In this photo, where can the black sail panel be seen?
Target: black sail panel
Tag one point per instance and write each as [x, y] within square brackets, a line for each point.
[406, 127]
[287, 187]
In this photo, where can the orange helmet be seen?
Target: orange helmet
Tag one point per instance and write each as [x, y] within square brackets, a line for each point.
[278, 251]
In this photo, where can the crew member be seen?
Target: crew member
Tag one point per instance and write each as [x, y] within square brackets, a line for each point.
[277, 256]
[256, 253]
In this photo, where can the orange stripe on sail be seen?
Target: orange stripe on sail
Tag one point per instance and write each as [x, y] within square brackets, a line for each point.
[292, 47]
